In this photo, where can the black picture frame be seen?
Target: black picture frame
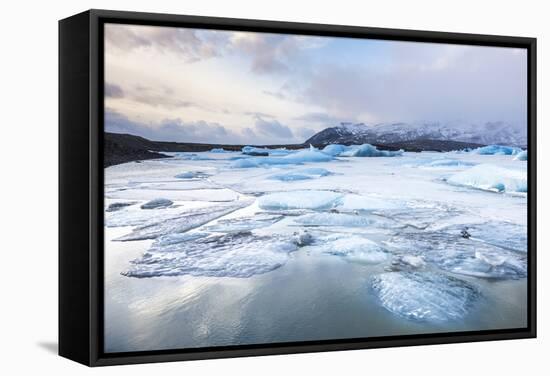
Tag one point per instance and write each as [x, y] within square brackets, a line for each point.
[81, 186]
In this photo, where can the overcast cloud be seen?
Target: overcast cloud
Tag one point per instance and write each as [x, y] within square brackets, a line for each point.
[239, 87]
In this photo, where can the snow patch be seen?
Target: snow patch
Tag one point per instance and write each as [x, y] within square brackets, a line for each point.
[299, 200]
[491, 178]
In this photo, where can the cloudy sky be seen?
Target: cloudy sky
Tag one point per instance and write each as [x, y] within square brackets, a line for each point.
[191, 85]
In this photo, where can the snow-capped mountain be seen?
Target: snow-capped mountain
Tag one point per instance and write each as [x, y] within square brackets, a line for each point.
[389, 133]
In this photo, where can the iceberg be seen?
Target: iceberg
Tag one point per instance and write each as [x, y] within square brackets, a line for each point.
[459, 254]
[334, 149]
[302, 174]
[158, 203]
[368, 150]
[491, 178]
[238, 255]
[182, 222]
[425, 296]
[299, 200]
[299, 157]
[522, 156]
[116, 206]
[497, 150]
[263, 152]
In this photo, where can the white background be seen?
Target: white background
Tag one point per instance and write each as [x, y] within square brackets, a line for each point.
[28, 147]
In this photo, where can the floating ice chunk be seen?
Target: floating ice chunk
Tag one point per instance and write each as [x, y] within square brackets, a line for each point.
[115, 206]
[352, 248]
[522, 156]
[414, 261]
[259, 220]
[311, 155]
[358, 202]
[507, 235]
[245, 163]
[192, 175]
[334, 149]
[302, 174]
[299, 200]
[299, 157]
[158, 203]
[219, 150]
[497, 150]
[425, 296]
[191, 156]
[138, 217]
[256, 152]
[263, 152]
[239, 255]
[451, 163]
[333, 219]
[367, 150]
[183, 222]
[457, 254]
[491, 178]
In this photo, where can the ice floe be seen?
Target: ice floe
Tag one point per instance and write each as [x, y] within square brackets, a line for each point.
[457, 253]
[447, 163]
[333, 219]
[258, 152]
[301, 174]
[502, 234]
[259, 220]
[497, 150]
[192, 175]
[299, 157]
[352, 248]
[299, 200]
[491, 178]
[181, 222]
[240, 255]
[425, 296]
[158, 203]
[366, 203]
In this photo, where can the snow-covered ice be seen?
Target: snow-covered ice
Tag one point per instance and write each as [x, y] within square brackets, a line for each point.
[301, 174]
[492, 178]
[425, 296]
[299, 200]
[352, 248]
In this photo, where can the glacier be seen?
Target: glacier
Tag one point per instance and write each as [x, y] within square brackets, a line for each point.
[425, 296]
[299, 200]
[493, 178]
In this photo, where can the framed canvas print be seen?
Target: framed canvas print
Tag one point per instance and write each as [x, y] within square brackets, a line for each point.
[236, 187]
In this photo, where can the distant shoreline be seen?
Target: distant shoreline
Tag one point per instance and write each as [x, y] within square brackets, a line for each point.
[122, 148]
